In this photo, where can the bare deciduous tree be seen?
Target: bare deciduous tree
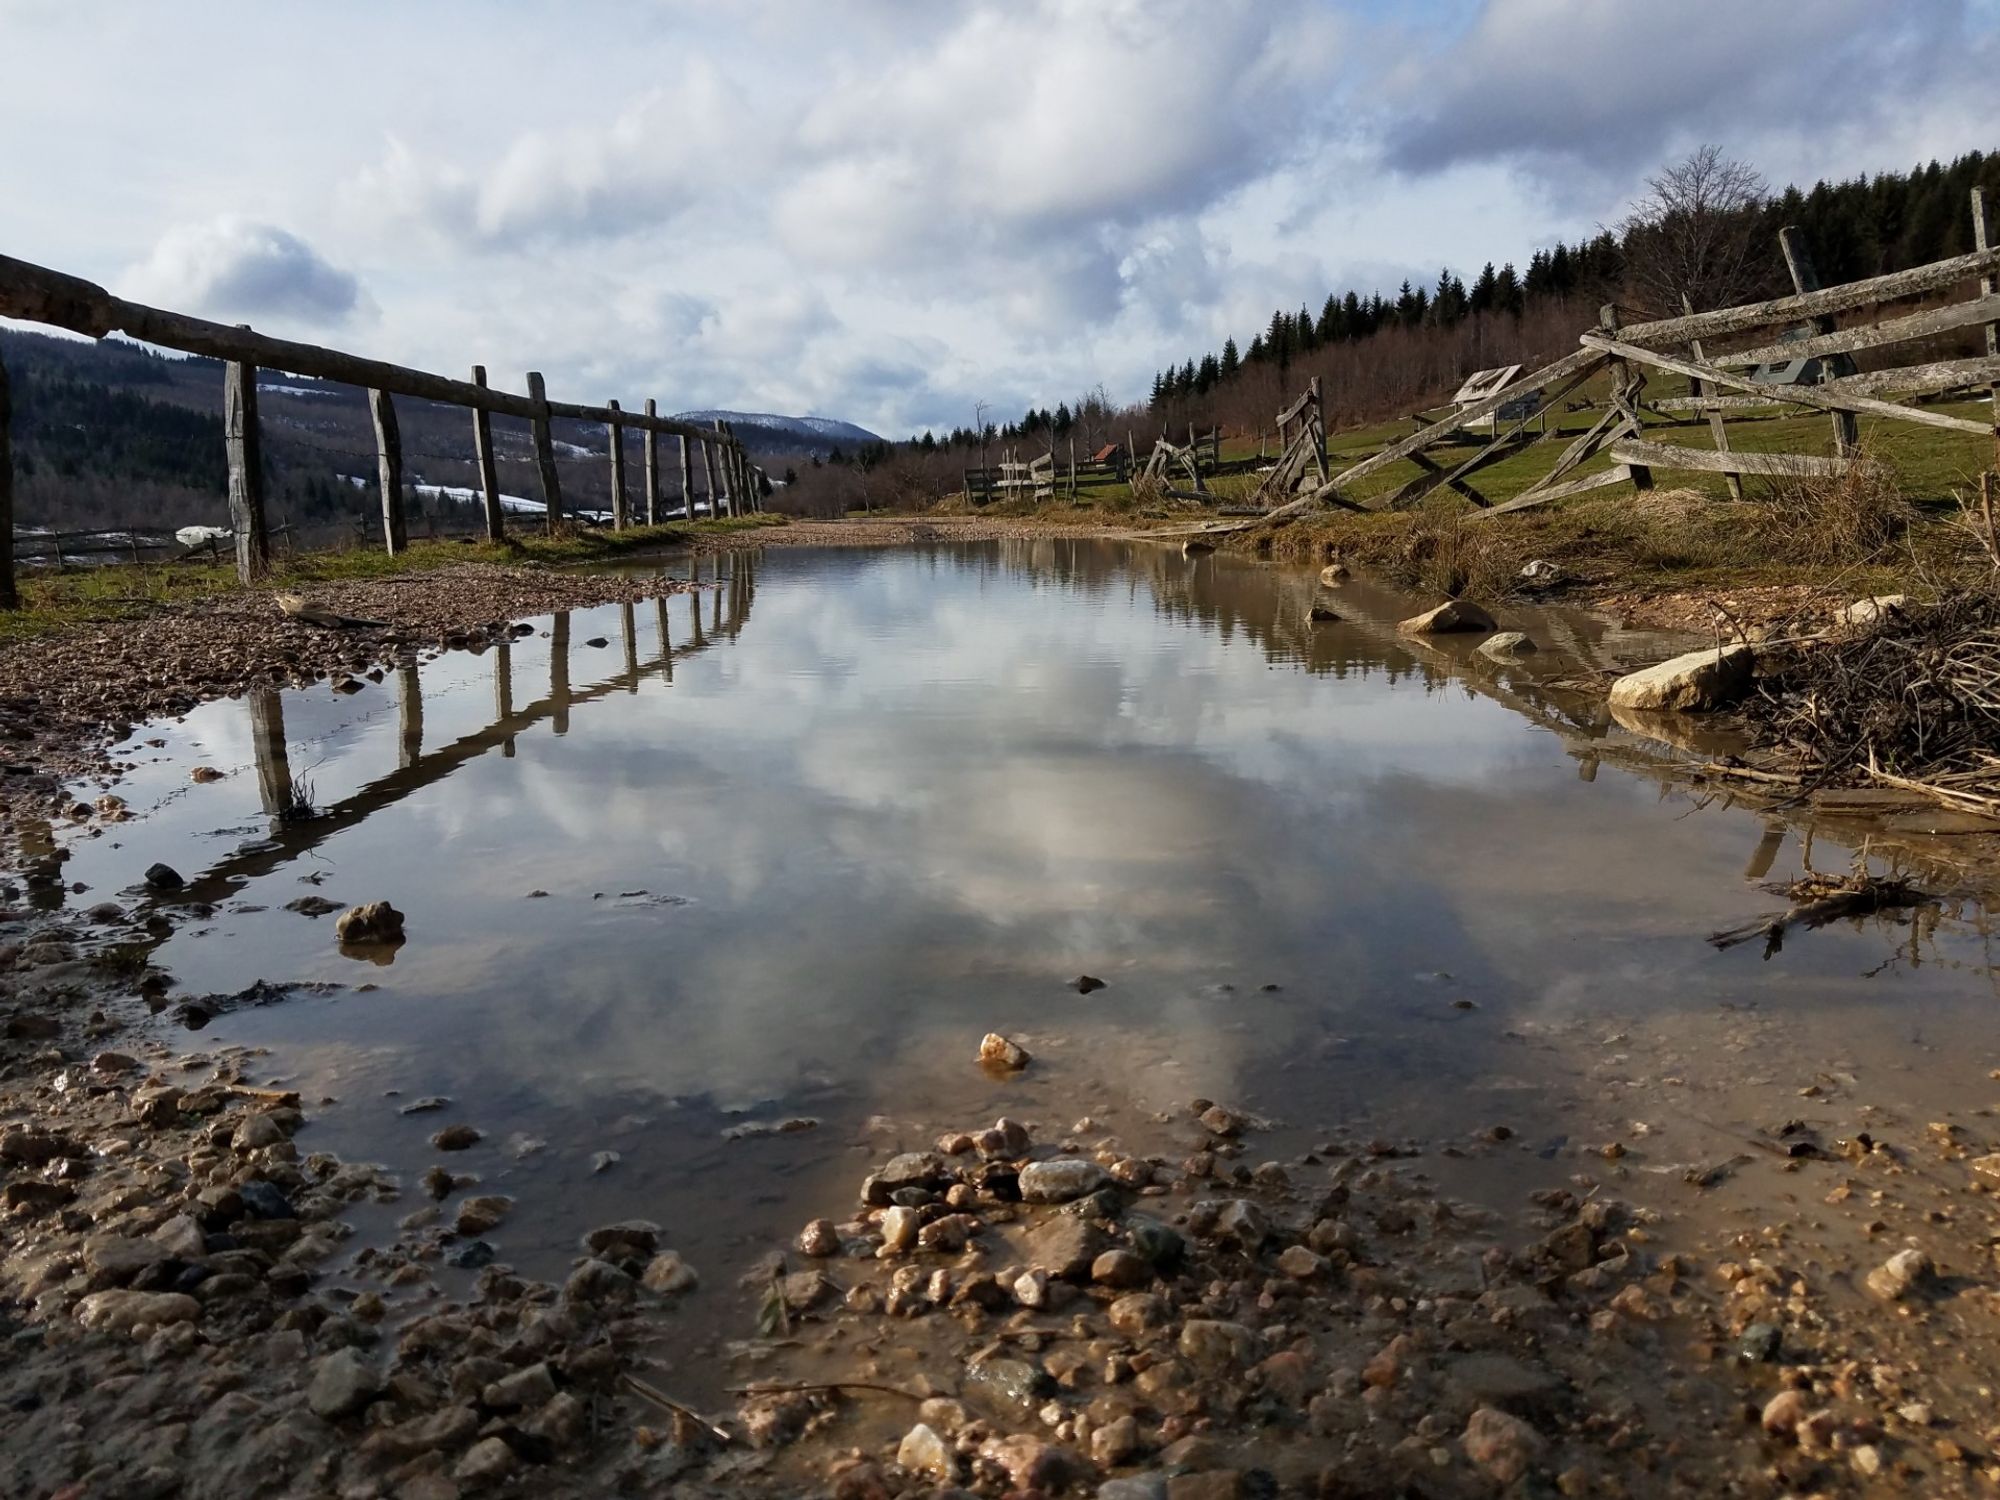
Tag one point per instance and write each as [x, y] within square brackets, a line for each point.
[1695, 234]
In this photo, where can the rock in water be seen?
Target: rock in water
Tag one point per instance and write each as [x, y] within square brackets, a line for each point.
[342, 1384]
[1698, 682]
[371, 922]
[1507, 643]
[1333, 573]
[1321, 614]
[1901, 1274]
[1060, 1181]
[922, 1451]
[1501, 1445]
[1452, 615]
[164, 878]
[1085, 984]
[995, 1051]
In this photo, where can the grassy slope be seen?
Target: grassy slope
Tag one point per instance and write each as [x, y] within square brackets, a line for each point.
[122, 591]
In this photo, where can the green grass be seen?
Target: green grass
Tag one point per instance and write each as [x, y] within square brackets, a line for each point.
[123, 591]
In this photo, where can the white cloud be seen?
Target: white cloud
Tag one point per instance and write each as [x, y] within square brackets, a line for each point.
[887, 211]
[233, 267]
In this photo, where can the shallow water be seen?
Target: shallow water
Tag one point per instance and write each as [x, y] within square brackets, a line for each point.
[807, 834]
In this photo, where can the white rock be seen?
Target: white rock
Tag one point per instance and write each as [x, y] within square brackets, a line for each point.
[1506, 644]
[1695, 683]
[1901, 1274]
[1060, 1181]
[1868, 611]
[1452, 615]
[922, 1451]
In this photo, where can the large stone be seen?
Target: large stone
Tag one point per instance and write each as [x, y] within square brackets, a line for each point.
[1507, 645]
[122, 1311]
[1064, 1247]
[1901, 1274]
[1001, 1053]
[371, 922]
[342, 1384]
[1503, 1446]
[1452, 616]
[1216, 1345]
[1698, 682]
[922, 1451]
[116, 1259]
[1868, 611]
[1009, 1388]
[1060, 1181]
[486, 1462]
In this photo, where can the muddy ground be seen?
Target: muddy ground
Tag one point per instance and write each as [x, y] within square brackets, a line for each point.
[1133, 1300]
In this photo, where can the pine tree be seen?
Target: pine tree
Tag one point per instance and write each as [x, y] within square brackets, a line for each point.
[1329, 330]
[1231, 362]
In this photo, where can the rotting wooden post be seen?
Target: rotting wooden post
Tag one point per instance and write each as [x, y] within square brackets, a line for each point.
[1716, 426]
[1846, 432]
[728, 501]
[1622, 394]
[545, 449]
[10, 597]
[482, 452]
[687, 479]
[615, 429]
[1982, 239]
[1319, 422]
[652, 450]
[708, 470]
[242, 442]
[389, 470]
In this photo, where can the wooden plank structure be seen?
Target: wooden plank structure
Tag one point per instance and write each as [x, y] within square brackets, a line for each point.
[1302, 449]
[1629, 351]
[36, 294]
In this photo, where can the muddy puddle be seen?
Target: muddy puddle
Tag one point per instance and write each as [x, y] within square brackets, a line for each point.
[781, 851]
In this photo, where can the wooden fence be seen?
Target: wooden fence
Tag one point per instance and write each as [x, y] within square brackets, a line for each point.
[38, 295]
[1778, 331]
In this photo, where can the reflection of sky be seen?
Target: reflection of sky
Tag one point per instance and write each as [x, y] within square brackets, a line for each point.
[918, 792]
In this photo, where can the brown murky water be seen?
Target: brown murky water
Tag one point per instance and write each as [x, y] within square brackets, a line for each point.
[806, 835]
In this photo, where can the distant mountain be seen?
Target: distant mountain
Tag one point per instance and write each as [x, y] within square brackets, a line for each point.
[766, 433]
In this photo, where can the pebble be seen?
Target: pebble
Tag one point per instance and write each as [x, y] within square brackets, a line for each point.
[922, 1451]
[669, 1275]
[457, 1138]
[996, 1051]
[819, 1239]
[1502, 1446]
[1901, 1274]
[1060, 1181]
[486, 1462]
[342, 1383]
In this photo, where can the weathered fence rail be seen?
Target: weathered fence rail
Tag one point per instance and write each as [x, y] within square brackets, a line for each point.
[37, 294]
[1721, 381]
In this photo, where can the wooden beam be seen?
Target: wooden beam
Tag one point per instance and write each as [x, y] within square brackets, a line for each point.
[36, 294]
[1918, 380]
[1834, 299]
[616, 431]
[1604, 478]
[545, 451]
[1709, 461]
[652, 454]
[1626, 383]
[489, 477]
[1917, 325]
[687, 478]
[1982, 238]
[708, 472]
[1798, 261]
[1504, 445]
[1797, 395]
[242, 442]
[1423, 437]
[10, 597]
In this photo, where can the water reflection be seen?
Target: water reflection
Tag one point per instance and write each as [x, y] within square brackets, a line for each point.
[810, 863]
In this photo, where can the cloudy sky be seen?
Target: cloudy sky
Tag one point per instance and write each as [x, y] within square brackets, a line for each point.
[887, 210]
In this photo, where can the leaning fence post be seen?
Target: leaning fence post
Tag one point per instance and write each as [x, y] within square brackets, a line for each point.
[652, 450]
[389, 457]
[687, 479]
[482, 451]
[718, 461]
[545, 450]
[244, 446]
[9, 597]
[1623, 396]
[1846, 432]
[616, 429]
[1982, 239]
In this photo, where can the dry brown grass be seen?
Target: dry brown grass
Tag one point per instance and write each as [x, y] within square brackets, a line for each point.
[1854, 518]
[1442, 552]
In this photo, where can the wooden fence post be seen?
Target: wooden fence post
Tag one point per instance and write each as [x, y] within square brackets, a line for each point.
[482, 452]
[545, 450]
[687, 479]
[243, 444]
[1846, 433]
[1982, 239]
[708, 469]
[723, 501]
[616, 429]
[389, 466]
[9, 596]
[652, 449]
[1622, 394]
[1715, 423]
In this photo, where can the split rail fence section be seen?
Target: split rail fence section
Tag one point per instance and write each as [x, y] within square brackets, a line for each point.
[1782, 330]
[36, 294]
